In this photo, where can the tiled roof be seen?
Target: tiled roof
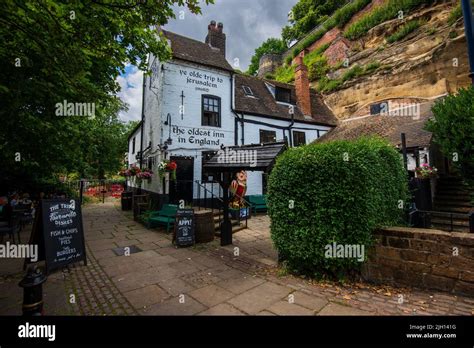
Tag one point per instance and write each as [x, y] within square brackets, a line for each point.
[388, 127]
[263, 102]
[196, 51]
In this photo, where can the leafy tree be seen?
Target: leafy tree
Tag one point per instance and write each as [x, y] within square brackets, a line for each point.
[272, 45]
[306, 15]
[56, 51]
[453, 129]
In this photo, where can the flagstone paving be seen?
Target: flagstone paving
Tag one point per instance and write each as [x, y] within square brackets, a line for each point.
[206, 279]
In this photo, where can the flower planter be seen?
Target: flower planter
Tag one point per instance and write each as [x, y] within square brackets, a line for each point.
[241, 213]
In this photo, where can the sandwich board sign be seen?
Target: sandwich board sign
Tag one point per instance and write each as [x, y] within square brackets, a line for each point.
[59, 233]
[184, 227]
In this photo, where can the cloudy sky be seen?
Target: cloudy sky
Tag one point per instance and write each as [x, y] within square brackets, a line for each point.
[247, 23]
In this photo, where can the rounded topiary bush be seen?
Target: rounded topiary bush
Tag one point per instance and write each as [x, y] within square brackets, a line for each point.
[336, 192]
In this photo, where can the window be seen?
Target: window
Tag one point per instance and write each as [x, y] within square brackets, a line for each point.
[248, 91]
[379, 108]
[267, 136]
[299, 138]
[133, 145]
[206, 156]
[283, 95]
[211, 111]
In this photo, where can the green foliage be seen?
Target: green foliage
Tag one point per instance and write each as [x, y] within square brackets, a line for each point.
[329, 85]
[306, 15]
[318, 68]
[453, 129]
[55, 51]
[380, 14]
[455, 14]
[404, 30]
[341, 201]
[270, 46]
[340, 18]
[285, 74]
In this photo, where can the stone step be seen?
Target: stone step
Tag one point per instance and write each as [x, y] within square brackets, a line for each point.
[235, 229]
[448, 203]
[448, 228]
[447, 221]
[452, 209]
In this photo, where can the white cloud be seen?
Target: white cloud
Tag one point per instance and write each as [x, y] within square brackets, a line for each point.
[131, 93]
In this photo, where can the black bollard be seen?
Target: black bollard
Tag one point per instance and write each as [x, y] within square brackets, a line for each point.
[32, 285]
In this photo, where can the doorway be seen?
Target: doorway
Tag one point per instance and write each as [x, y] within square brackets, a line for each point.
[182, 188]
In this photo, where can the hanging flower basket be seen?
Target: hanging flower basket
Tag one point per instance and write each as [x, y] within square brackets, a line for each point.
[425, 171]
[167, 167]
[145, 175]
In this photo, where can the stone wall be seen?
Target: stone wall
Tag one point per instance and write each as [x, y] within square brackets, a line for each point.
[422, 258]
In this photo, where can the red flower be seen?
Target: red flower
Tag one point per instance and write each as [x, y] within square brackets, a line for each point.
[171, 166]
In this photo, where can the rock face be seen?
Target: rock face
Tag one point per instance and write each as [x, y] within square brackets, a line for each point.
[430, 62]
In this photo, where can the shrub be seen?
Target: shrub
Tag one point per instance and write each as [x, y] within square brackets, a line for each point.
[285, 74]
[381, 14]
[372, 66]
[453, 129]
[334, 201]
[403, 31]
[455, 14]
[318, 68]
[339, 18]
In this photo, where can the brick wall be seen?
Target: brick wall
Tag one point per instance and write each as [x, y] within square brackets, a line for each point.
[338, 51]
[427, 259]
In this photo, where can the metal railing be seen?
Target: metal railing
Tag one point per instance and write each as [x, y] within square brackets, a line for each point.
[212, 200]
[423, 219]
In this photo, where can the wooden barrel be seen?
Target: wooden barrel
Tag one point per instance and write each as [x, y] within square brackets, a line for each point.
[203, 226]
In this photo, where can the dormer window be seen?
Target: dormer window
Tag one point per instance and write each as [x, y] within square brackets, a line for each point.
[283, 95]
[248, 91]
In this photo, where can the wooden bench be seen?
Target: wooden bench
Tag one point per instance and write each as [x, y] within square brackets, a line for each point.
[165, 216]
[257, 202]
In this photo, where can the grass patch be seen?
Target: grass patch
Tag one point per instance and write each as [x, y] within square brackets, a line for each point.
[285, 74]
[329, 85]
[381, 14]
[339, 19]
[404, 30]
[455, 14]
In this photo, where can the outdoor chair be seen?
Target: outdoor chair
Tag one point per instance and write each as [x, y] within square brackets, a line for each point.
[165, 216]
[258, 203]
[11, 227]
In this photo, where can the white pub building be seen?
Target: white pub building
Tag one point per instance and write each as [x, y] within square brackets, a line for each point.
[196, 103]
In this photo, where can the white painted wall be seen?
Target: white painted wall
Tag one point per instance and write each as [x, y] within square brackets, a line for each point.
[252, 136]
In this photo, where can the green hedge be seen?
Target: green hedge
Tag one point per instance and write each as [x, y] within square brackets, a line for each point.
[334, 201]
[381, 14]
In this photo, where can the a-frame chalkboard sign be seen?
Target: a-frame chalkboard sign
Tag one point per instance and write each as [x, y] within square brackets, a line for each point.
[184, 228]
[59, 234]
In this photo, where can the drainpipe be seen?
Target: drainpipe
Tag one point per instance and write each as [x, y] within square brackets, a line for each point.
[290, 136]
[143, 122]
[469, 30]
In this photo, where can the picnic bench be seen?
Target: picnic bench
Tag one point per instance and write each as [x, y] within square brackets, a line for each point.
[165, 216]
[257, 202]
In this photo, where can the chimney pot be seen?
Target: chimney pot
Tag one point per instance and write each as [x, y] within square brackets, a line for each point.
[215, 36]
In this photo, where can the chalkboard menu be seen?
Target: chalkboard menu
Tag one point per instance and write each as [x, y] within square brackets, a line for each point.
[59, 233]
[184, 227]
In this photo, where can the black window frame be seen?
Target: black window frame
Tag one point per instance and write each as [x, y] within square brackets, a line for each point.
[248, 91]
[204, 175]
[279, 91]
[219, 106]
[299, 133]
[262, 132]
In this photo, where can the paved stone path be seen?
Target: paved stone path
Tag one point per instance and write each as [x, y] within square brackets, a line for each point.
[205, 279]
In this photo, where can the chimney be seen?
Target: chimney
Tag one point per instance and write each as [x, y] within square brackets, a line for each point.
[215, 36]
[303, 95]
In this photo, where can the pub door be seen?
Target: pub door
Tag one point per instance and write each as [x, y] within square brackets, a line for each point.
[182, 188]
